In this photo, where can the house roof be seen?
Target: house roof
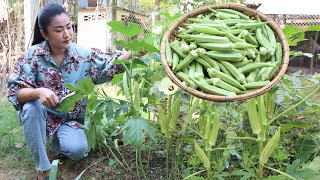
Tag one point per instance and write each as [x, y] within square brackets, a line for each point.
[306, 7]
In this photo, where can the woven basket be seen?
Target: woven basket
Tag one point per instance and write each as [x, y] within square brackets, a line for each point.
[172, 31]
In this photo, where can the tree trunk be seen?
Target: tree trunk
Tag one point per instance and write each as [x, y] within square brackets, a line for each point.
[157, 5]
[111, 16]
[114, 6]
[31, 9]
[6, 59]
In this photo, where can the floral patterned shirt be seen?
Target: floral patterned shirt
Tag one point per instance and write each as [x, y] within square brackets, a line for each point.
[37, 68]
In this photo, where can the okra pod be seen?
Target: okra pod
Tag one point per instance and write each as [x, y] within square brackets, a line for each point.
[203, 85]
[202, 156]
[235, 72]
[270, 147]
[162, 120]
[219, 83]
[184, 77]
[175, 45]
[203, 62]
[175, 113]
[250, 25]
[224, 69]
[279, 52]
[252, 76]
[214, 127]
[242, 63]
[256, 65]
[208, 38]
[175, 61]
[205, 29]
[226, 56]
[229, 79]
[231, 11]
[253, 116]
[257, 84]
[222, 15]
[187, 60]
[168, 53]
[217, 46]
[136, 97]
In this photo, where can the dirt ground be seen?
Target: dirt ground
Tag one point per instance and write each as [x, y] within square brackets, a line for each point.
[98, 167]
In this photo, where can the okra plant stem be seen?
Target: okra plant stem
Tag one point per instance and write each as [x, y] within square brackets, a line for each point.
[137, 165]
[260, 169]
[141, 166]
[209, 172]
[167, 154]
[202, 137]
[280, 172]
[168, 134]
[245, 138]
[214, 149]
[294, 106]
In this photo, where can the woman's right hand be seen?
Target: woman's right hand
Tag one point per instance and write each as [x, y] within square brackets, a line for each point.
[48, 98]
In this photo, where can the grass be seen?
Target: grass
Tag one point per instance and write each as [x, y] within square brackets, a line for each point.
[15, 156]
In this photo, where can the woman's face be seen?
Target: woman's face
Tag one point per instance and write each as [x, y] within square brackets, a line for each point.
[60, 32]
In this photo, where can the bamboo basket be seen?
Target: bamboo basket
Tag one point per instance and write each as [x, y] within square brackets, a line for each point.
[172, 31]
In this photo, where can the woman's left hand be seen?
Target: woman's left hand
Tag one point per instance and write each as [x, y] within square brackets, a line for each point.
[141, 53]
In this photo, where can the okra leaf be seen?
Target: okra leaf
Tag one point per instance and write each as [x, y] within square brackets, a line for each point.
[137, 45]
[169, 17]
[68, 103]
[116, 78]
[308, 148]
[295, 124]
[314, 165]
[85, 86]
[134, 132]
[130, 30]
[313, 28]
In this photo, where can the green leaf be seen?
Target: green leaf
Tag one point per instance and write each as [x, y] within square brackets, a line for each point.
[85, 86]
[92, 102]
[303, 173]
[134, 132]
[313, 28]
[314, 165]
[308, 148]
[295, 165]
[130, 30]
[116, 78]
[110, 108]
[295, 124]
[101, 134]
[68, 103]
[169, 17]
[293, 34]
[290, 30]
[137, 45]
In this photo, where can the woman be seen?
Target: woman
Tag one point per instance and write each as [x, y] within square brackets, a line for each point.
[38, 81]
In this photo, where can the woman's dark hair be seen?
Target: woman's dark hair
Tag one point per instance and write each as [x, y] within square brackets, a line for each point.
[43, 20]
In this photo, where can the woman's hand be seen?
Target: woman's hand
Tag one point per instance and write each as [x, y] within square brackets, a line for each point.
[48, 98]
[128, 54]
[141, 53]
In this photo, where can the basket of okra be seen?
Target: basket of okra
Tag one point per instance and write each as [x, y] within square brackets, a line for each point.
[224, 53]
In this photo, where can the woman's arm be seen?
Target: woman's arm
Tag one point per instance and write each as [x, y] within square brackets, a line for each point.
[125, 56]
[47, 97]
